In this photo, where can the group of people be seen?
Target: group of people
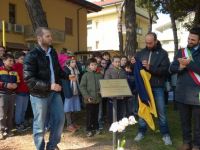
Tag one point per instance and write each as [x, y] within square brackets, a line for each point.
[14, 93]
[58, 86]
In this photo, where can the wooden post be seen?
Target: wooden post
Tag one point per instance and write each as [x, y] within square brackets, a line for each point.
[114, 120]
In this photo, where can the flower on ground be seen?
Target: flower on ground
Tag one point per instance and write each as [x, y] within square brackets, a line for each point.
[114, 127]
[125, 122]
[122, 124]
[132, 120]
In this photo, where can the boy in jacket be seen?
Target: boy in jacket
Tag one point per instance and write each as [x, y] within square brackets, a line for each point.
[8, 83]
[90, 90]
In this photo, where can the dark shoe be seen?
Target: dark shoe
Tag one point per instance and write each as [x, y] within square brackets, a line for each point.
[89, 134]
[20, 128]
[10, 134]
[184, 147]
[56, 148]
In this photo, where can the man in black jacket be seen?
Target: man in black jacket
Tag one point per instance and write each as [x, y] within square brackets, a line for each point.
[155, 60]
[187, 65]
[42, 73]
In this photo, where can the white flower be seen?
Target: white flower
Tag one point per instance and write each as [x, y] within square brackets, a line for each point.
[114, 127]
[125, 122]
[121, 126]
[132, 120]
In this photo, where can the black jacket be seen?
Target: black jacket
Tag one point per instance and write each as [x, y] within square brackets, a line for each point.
[187, 91]
[159, 64]
[37, 71]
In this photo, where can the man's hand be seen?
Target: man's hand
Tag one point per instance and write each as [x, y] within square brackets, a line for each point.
[183, 62]
[145, 64]
[56, 87]
[11, 86]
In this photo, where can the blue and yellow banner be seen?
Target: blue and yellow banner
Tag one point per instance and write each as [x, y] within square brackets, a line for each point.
[147, 107]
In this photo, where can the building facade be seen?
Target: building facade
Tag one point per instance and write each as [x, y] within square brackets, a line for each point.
[66, 18]
[165, 34]
[102, 26]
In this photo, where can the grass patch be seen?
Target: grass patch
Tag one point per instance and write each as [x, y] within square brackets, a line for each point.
[152, 140]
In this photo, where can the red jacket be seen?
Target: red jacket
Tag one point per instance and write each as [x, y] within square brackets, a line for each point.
[22, 87]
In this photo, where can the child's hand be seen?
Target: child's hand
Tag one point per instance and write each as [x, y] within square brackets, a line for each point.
[14, 85]
[11, 86]
[72, 77]
[90, 99]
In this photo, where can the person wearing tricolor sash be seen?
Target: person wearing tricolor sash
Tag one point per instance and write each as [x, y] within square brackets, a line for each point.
[187, 64]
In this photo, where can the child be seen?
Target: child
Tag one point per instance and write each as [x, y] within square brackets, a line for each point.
[91, 92]
[71, 93]
[8, 83]
[123, 62]
[116, 72]
[131, 105]
[22, 92]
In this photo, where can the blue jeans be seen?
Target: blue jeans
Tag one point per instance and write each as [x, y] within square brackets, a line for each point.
[41, 106]
[21, 102]
[160, 106]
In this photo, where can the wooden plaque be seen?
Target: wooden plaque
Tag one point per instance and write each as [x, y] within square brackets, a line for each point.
[114, 88]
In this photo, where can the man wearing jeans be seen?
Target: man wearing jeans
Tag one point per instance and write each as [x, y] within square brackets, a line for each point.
[155, 60]
[42, 73]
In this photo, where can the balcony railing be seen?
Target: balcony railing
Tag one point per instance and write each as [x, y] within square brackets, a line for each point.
[58, 35]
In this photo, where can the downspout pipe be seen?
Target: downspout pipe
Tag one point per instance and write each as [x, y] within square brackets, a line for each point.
[78, 21]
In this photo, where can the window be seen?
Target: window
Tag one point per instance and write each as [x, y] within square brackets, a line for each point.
[97, 25]
[89, 48]
[97, 44]
[139, 30]
[68, 26]
[89, 24]
[12, 13]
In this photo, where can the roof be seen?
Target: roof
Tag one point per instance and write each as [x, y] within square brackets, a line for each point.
[107, 2]
[91, 7]
[164, 26]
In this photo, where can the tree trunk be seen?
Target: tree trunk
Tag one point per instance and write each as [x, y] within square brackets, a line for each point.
[120, 32]
[174, 33]
[196, 21]
[130, 22]
[150, 21]
[36, 13]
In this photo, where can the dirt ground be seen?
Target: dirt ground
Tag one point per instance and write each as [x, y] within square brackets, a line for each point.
[69, 142]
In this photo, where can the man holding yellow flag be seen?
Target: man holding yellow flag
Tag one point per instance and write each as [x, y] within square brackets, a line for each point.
[154, 63]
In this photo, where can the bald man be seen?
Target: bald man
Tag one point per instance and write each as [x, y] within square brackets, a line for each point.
[155, 60]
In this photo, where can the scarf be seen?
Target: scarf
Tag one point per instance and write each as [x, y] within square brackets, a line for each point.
[74, 84]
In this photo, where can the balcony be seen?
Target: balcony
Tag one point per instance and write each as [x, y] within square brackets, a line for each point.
[58, 36]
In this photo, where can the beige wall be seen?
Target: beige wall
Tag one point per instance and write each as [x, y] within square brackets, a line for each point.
[107, 32]
[56, 12]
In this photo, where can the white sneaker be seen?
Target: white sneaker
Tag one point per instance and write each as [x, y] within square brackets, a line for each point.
[139, 137]
[167, 140]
